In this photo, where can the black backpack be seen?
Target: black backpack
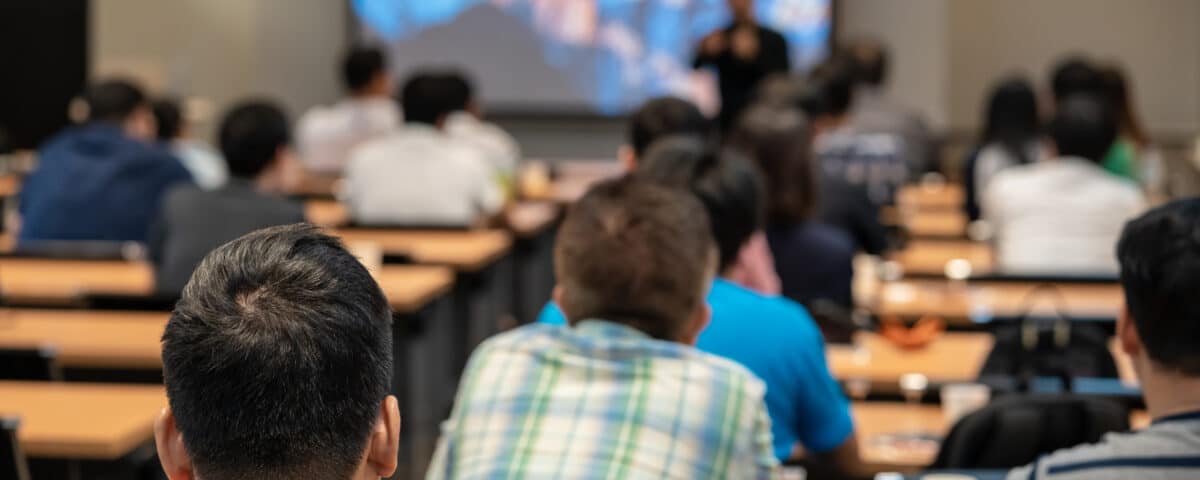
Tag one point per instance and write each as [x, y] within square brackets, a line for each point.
[1016, 430]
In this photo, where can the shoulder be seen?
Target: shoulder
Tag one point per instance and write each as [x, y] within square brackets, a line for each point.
[776, 316]
[183, 197]
[723, 373]
[1090, 461]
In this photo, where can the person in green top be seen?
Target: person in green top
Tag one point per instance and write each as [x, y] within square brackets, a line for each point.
[1123, 157]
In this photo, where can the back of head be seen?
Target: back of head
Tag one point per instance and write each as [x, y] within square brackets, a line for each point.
[1083, 126]
[1115, 84]
[727, 183]
[427, 97]
[778, 139]
[635, 252]
[665, 116]
[1012, 118]
[251, 135]
[461, 93]
[169, 118]
[361, 66]
[1074, 76]
[830, 88]
[870, 62]
[277, 358]
[113, 101]
[1160, 268]
[780, 89]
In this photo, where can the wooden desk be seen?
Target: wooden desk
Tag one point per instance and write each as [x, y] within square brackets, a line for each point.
[410, 287]
[10, 185]
[65, 280]
[88, 339]
[953, 358]
[935, 224]
[467, 250]
[957, 301]
[872, 419]
[574, 179]
[82, 421]
[931, 198]
[326, 212]
[529, 219]
[925, 257]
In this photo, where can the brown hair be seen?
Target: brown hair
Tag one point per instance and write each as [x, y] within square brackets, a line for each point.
[777, 139]
[637, 253]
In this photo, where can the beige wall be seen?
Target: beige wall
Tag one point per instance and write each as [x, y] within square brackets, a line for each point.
[1157, 40]
[224, 50]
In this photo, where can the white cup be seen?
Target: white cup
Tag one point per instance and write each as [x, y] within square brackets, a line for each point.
[961, 399]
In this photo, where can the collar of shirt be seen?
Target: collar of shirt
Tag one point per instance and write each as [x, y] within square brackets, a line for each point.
[595, 328]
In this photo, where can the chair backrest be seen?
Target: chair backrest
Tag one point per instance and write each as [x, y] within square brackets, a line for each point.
[1016, 430]
[29, 364]
[12, 460]
[159, 302]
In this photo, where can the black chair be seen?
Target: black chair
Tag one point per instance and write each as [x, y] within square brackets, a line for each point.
[1016, 430]
[38, 364]
[12, 460]
[158, 302]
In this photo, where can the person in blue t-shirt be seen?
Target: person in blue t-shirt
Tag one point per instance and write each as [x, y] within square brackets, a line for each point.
[772, 336]
[103, 180]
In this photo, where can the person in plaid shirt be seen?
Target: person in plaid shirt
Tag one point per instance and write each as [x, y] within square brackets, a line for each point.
[622, 393]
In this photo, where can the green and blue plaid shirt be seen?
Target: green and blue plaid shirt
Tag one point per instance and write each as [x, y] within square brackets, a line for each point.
[604, 401]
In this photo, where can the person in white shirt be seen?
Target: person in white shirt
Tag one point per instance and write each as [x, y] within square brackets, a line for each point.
[326, 135]
[207, 166]
[466, 123]
[1063, 215]
[419, 175]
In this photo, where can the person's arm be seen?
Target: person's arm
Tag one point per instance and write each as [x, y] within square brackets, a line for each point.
[775, 58]
[710, 49]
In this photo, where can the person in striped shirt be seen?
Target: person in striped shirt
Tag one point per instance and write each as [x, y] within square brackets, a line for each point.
[621, 394]
[1159, 329]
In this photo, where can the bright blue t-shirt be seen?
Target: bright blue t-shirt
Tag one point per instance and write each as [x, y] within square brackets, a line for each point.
[777, 340]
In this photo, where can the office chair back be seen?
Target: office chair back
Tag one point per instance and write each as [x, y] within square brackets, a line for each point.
[12, 460]
[30, 364]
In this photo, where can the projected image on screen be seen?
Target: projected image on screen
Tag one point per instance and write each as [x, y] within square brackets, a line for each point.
[603, 56]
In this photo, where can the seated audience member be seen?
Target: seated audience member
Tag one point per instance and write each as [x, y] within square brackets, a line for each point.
[1074, 75]
[418, 175]
[327, 135]
[1011, 136]
[466, 123]
[278, 365]
[621, 393]
[206, 167]
[1159, 255]
[660, 118]
[873, 112]
[772, 336]
[1132, 156]
[870, 160]
[255, 140]
[1064, 214]
[103, 180]
[815, 262]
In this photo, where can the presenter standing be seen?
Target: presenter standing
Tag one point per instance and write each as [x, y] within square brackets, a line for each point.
[743, 54]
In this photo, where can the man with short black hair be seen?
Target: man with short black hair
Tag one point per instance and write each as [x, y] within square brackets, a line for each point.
[1159, 254]
[1063, 215]
[419, 175]
[103, 180]
[659, 118]
[278, 362]
[621, 393]
[465, 122]
[1075, 75]
[326, 135]
[256, 141]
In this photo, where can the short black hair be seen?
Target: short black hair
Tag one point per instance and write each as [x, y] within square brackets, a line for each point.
[461, 91]
[427, 97]
[830, 88]
[277, 358]
[665, 116]
[1075, 75]
[1083, 126]
[169, 118]
[725, 181]
[1159, 254]
[870, 62]
[361, 65]
[113, 100]
[635, 252]
[251, 135]
[777, 139]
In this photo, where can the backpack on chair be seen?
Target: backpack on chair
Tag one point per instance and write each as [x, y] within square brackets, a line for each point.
[1016, 430]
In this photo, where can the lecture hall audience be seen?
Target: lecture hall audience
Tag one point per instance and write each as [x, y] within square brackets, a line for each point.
[327, 135]
[103, 180]
[873, 111]
[466, 122]
[1012, 135]
[256, 141]
[174, 131]
[621, 393]
[278, 365]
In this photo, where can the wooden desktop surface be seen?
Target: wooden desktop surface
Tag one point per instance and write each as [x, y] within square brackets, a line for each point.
[952, 358]
[931, 197]
[58, 279]
[929, 257]
[88, 339]
[81, 421]
[958, 301]
[873, 419]
[936, 223]
[524, 219]
[326, 212]
[466, 250]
